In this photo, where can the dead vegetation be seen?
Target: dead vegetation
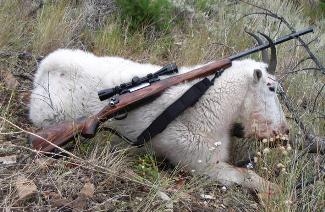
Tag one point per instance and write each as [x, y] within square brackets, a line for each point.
[97, 176]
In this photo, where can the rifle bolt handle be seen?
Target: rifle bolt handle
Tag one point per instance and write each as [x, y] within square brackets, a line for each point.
[113, 101]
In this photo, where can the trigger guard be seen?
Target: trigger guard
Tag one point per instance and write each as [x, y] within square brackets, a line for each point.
[121, 115]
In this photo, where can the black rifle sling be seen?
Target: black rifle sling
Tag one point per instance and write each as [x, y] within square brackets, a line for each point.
[189, 98]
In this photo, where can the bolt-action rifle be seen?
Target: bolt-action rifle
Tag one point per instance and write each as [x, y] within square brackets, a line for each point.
[129, 95]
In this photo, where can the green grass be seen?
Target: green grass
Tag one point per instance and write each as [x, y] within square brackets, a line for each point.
[315, 11]
[12, 36]
[121, 176]
[55, 27]
[146, 14]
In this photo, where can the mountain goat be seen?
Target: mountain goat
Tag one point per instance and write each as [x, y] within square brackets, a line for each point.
[67, 82]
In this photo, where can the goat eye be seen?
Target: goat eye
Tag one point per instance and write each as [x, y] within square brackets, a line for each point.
[272, 89]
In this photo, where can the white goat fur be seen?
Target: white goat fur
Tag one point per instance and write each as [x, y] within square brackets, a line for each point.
[67, 82]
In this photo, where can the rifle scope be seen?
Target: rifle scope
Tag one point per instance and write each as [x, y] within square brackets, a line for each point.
[137, 81]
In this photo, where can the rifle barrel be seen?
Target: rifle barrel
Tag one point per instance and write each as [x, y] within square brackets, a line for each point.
[267, 45]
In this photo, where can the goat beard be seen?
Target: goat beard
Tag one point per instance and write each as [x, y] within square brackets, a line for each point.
[237, 130]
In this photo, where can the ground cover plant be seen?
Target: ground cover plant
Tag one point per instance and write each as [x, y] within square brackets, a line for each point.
[97, 176]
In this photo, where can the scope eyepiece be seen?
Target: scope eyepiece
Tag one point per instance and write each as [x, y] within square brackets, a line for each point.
[106, 93]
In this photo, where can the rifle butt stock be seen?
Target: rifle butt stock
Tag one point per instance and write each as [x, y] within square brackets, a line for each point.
[62, 133]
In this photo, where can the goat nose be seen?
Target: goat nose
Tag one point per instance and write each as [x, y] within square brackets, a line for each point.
[274, 132]
[285, 129]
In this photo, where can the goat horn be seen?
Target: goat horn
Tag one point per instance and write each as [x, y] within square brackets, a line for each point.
[265, 56]
[273, 59]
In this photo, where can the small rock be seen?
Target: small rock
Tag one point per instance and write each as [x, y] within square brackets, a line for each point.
[63, 204]
[9, 79]
[218, 143]
[207, 196]
[250, 166]
[280, 165]
[25, 188]
[165, 197]
[80, 203]
[138, 198]
[88, 190]
[11, 159]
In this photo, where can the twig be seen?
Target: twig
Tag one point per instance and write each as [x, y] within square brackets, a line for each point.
[316, 144]
[312, 40]
[21, 55]
[308, 182]
[301, 61]
[303, 69]
[292, 69]
[318, 94]
[34, 10]
[312, 181]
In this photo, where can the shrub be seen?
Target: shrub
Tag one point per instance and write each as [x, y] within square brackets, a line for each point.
[322, 5]
[141, 14]
[147, 167]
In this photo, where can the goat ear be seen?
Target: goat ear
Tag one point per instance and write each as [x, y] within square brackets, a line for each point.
[257, 75]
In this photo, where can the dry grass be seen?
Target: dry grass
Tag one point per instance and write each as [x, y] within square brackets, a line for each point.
[124, 180]
[56, 26]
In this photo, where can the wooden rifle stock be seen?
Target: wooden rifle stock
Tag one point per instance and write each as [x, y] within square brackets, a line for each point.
[63, 132]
